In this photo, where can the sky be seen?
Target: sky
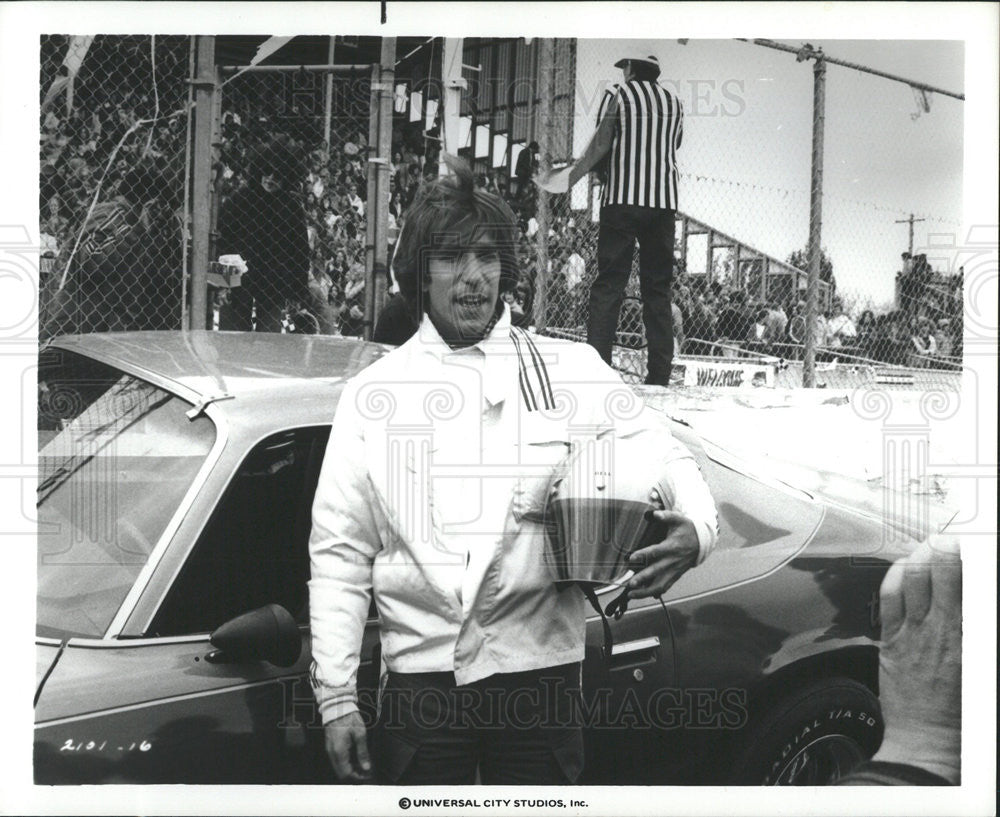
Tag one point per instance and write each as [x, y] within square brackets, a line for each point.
[746, 156]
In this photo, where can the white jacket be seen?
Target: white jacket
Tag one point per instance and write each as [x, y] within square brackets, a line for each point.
[435, 476]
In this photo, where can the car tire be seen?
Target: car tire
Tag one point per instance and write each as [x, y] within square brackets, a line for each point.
[811, 738]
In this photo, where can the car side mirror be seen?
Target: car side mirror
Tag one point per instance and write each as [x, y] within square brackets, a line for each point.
[266, 634]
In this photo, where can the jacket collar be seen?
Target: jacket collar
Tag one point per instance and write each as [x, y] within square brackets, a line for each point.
[495, 354]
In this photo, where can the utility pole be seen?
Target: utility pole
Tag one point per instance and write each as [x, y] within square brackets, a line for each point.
[911, 220]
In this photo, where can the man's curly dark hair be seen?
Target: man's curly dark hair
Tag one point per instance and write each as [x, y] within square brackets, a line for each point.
[449, 214]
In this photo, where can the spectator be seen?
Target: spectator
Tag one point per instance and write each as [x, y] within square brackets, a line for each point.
[526, 168]
[575, 269]
[678, 324]
[352, 316]
[841, 329]
[897, 341]
[942, 337]
[124, 273]
[355, 200]
[265, 223]
[735, 323]
[775, 324]
[924, 344]
[867, 334]
[321, 302]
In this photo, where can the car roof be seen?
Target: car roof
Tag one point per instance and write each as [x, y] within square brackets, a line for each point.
[260, 381]
[263, 379]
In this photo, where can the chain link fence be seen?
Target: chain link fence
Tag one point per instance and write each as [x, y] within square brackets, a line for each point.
[291, 188]
[112, 158]
[742, 229]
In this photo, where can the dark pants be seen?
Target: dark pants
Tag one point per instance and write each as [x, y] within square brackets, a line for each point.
[516, 728]
[621, 226]
[238, 314]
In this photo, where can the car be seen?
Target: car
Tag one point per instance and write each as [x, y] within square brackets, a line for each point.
[177, 476]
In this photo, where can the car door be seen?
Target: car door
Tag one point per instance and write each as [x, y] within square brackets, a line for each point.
[628, 697]
[163, 708]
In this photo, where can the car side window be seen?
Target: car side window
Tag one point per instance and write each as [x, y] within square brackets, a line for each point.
[255, 548]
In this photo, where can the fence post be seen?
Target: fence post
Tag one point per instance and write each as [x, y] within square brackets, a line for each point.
[379, 155]
[201, 226]
[186, 229]
[546, 73]
[815, 222]
[331, 53]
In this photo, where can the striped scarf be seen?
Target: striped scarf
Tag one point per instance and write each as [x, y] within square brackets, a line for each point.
[532, 374]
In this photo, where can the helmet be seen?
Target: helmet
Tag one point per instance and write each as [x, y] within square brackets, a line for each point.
[595, 516]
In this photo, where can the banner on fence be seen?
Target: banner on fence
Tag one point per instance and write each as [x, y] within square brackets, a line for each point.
[731, 374]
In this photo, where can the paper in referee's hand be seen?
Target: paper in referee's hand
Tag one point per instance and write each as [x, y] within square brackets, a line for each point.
[555, 181]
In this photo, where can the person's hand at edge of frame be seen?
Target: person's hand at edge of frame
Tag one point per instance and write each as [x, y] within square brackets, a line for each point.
[920, 659]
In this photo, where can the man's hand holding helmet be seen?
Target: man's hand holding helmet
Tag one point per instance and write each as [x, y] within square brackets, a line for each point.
[658, 566]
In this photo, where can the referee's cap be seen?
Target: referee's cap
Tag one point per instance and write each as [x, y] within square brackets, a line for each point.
[649, 60]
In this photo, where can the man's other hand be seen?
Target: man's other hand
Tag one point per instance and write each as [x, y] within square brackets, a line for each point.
[658, 566]
[347, 747]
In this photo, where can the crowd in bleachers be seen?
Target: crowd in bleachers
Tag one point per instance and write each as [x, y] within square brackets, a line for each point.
[716, 318]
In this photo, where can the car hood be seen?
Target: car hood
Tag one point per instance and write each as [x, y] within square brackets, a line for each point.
[913, 515]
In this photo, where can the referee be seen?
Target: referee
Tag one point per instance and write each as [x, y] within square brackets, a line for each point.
[638, 137]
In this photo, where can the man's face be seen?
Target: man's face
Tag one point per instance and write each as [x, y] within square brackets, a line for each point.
[462, 290]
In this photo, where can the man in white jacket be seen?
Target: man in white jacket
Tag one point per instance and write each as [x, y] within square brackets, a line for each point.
[432, 498]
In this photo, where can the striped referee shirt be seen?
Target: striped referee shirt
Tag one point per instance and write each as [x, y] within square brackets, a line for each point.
[641, 166]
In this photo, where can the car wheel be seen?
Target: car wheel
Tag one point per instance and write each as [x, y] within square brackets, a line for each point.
[812, 738]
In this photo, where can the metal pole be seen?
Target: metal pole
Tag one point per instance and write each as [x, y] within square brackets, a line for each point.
[379, 155]
[808, 52]
[201, 227]
[185, 230]
[328, 101]
[383, 168]
[546, 75]
[815, 222]
[371, 196]
[348, 70]
[683, 224]
[451, 96]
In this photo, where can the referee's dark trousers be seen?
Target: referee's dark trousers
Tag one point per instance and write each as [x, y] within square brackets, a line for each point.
[621, 226]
